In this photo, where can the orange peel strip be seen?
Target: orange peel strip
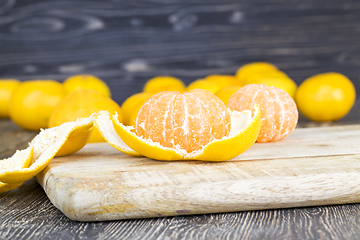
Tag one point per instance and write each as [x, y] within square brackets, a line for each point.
[244, 132]
[45, 146]
[5, 187]
[105, 127]
[21, 159]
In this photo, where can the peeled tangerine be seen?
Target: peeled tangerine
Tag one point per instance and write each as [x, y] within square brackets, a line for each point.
[278, 110]
[190, 125]
[170, 126]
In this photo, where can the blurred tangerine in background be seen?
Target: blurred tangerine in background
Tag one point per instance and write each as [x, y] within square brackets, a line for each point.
[249, 69]
[86, 81]
[7, 87]
[203, 84]
[132, 105]
[163, 83]
[81, 104]
[226, 92]
[326, 97]
[32, 103]
[224, 80]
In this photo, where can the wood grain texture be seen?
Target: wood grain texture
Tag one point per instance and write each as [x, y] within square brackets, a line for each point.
[34, 217]
[308, 168]
[127, 43]
[27, 213]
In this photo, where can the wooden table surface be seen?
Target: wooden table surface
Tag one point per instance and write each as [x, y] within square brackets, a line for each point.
[27, 213]
[128, 42]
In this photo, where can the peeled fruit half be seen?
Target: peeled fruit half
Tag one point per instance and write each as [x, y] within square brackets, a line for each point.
[194, 125]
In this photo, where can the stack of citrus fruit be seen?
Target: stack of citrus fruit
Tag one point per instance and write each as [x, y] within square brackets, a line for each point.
[39, 104]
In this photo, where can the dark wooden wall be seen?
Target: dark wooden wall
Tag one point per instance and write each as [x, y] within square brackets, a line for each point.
[127, 42]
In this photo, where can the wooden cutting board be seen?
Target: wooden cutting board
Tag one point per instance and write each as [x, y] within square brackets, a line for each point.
[313, 166]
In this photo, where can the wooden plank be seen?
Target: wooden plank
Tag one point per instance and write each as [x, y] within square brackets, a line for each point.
[99, 183]
[27, 213]
[126, 43]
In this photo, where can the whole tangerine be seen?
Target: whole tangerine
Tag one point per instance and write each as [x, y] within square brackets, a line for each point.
[326, 97]
[163, 83]
[279, 114]
[32, 103]
[249, 69]
[86, 81]
[7, 87]
[187, 121]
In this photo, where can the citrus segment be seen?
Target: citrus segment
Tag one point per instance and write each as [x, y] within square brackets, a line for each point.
[278, 110]
[105, 126]
[81, 104]
[7, 87]
[326, 97]
[32, 103]
[203, 84]
[164, 83]
[45, 146]
[86, 81]
[249, 69]
[186, 120]
[244, 131]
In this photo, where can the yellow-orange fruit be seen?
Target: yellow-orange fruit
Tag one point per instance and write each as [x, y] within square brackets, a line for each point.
[187, 121]
[279, 115]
